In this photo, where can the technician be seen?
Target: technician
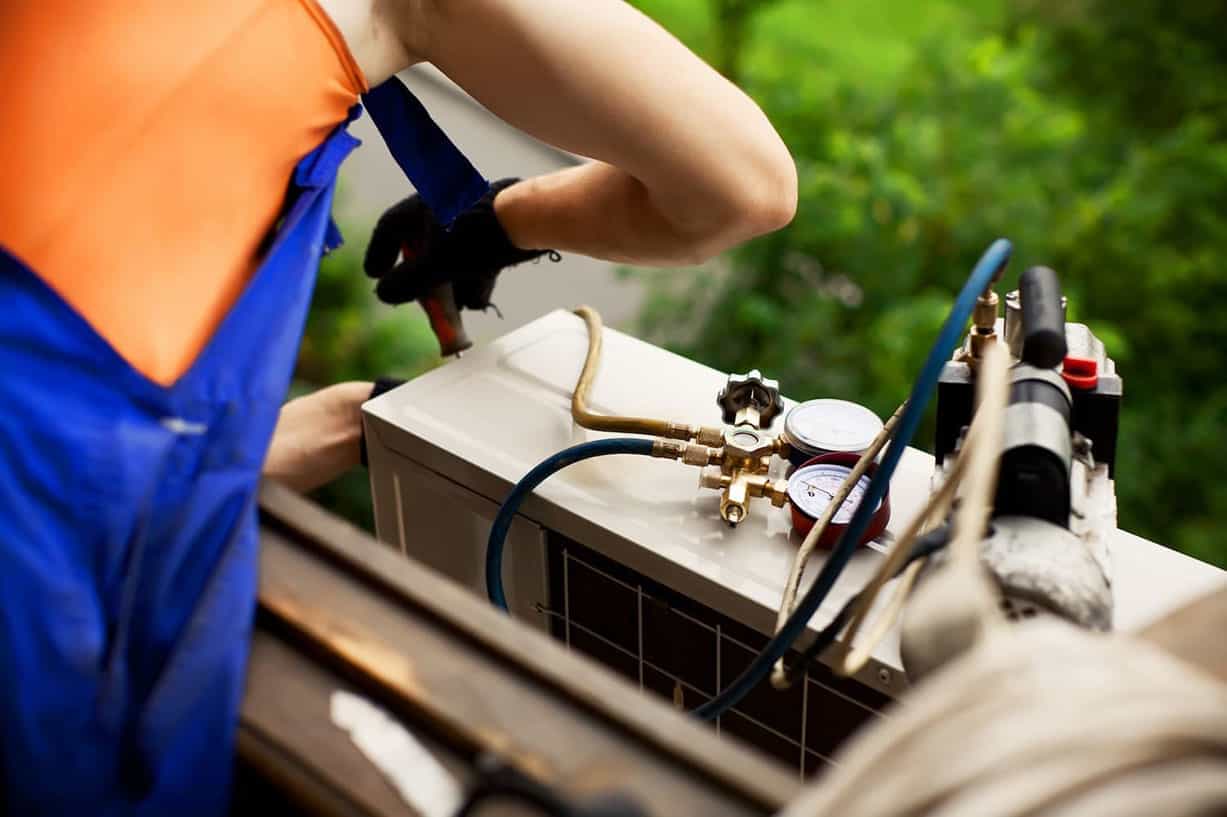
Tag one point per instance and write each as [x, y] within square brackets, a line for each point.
[168, 176]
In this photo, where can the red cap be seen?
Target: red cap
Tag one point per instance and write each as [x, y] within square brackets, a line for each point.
[1080, 372]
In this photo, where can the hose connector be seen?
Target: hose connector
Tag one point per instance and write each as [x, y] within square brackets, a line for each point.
[688, 452]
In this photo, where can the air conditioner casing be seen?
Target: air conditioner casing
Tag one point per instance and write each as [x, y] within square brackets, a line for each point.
[445, 449]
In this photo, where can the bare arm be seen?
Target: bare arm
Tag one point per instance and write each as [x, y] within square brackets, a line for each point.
[318, 436]
[687, 165]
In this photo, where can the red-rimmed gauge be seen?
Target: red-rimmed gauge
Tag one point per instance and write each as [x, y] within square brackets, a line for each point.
[812, 487]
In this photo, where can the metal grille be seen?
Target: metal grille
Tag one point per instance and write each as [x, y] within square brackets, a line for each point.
[684, 651]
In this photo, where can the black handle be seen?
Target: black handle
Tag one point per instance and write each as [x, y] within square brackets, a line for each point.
[1043, 318]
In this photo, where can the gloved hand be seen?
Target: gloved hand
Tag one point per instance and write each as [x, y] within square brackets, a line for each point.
[470, 255]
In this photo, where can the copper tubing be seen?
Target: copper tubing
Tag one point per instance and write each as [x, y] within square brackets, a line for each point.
[623, 425]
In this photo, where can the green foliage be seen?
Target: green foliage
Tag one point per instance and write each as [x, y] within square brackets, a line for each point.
[992, 124]
[1146, 64]
[351, 336]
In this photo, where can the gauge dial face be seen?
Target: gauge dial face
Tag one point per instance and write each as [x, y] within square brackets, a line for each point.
[832, 425]
[812, 488]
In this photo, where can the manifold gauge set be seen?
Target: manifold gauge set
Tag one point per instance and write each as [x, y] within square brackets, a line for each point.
[821, 441]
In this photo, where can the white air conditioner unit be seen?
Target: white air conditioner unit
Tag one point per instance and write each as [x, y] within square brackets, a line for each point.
[626, 558]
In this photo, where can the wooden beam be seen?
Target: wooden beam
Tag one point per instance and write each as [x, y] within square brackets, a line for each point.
[474, 679]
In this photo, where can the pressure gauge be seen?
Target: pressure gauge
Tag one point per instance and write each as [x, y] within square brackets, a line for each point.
[826, 426]
[812, 488]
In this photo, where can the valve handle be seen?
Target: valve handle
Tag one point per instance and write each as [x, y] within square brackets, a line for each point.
[750, 398]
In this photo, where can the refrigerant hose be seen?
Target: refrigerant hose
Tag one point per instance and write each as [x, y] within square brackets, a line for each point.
[511, 505]
[982, 275]
[986, 270]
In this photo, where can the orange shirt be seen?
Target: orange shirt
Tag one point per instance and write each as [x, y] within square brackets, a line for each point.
[147, 147]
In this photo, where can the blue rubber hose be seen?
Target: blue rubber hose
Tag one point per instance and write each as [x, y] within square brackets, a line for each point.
[511, 505]
[986, 269]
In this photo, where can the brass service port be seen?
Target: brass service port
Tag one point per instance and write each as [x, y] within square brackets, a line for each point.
[744, 462]
[741, 487]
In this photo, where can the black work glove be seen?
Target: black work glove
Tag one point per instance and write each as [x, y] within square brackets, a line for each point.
[470, 255]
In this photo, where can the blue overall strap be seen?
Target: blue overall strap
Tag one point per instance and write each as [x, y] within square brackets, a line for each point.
[446, 180]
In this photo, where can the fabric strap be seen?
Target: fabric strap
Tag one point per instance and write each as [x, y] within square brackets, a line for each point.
[445, 179]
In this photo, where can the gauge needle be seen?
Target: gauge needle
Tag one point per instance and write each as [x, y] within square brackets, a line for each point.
[816, 488]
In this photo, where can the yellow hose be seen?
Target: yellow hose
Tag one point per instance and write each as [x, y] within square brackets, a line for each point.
[608, 422]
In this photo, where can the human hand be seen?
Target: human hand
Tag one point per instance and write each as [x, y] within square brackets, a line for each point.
[318, 436]
[469, 255]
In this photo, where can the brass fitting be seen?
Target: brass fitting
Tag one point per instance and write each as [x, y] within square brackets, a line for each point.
[687, 452]
[735, 500]
[668, 449]
[984, 327]
[776, 491]
[742, 452]
[739, 488]
[979, 342]
[746, 447]
[701, 455]
[744, 460]
[704, 435]
[984, 316]
[679, 431]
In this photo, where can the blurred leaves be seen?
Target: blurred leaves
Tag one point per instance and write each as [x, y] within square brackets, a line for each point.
[1078, 130]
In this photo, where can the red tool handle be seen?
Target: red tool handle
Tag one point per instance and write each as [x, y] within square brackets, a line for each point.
[439, 303]
[440, 306]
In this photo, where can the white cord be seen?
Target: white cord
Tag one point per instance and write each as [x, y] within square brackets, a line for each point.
[779, 674]
[978, 457]
[936, 506]
[976, 505]
[858, 656]
[1040, 719]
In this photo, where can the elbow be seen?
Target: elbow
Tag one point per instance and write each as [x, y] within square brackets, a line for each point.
[772, 202]
[761, 200]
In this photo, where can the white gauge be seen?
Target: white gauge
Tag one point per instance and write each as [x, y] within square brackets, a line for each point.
[824, 426]
[812, 489]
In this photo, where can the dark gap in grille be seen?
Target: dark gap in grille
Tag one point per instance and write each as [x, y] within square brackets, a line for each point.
[655, 636]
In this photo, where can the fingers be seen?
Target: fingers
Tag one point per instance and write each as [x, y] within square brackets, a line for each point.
[384, 247]
[406, 282]
[475, 292]
[408, 223]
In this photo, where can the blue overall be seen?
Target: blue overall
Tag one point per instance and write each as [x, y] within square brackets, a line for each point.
[128, 519]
